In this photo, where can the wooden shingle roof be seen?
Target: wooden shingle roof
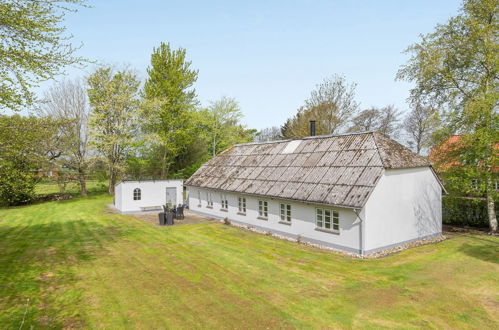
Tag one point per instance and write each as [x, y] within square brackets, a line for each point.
[339, 170]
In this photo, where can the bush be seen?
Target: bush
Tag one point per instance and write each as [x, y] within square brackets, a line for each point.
[17, 186]
[460, 211]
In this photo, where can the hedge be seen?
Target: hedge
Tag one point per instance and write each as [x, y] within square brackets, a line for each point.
[461, 211]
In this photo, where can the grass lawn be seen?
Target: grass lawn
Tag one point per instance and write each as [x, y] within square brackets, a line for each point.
[72, 187]
[81, 266]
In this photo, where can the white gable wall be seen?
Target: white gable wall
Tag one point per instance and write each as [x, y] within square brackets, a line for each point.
[404, 206]
[302, 223]
[153, 193]
[118, 197]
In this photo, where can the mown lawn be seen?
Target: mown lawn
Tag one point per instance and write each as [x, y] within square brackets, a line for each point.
[74, 264]
[72, 188]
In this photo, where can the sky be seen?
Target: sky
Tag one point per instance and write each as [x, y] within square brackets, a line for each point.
[268, 55]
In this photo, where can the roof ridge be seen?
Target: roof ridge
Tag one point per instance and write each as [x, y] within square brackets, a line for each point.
[306, 138]
[377, 150]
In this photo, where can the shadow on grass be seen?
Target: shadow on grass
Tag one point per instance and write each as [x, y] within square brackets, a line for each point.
[37, 262]
[485, 249]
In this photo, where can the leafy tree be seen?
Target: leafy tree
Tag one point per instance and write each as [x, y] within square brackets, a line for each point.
[67, 102]
[23, 150]
[222, 121]
[33, 47]
[385, 120]
[268, 134]
[456, 68]
[420, 124]
[169, 100]
[114, 101]
[332, 105]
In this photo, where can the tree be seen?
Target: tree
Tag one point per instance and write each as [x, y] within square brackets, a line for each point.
[222, 118]
[268, 134]
[68, 103]
[23, 150]
[419, 125]
[456, 68]
[170, 99]
[33, 47]
[385, 120]
[366, 120]
[332, 104]
[114, 101]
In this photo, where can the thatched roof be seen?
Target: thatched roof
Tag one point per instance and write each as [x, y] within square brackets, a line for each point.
[339, 170]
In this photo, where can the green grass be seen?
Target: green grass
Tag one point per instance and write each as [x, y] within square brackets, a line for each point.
[72, 188]
[81, 266]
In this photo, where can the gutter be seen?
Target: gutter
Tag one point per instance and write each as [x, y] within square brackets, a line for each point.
[361, 245]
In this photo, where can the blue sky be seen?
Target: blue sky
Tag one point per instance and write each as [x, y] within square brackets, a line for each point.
[268, 55]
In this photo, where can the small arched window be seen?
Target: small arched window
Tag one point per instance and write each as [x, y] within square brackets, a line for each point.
[137, 194]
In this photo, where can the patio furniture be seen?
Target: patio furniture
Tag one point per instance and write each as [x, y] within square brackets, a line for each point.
[180, 211]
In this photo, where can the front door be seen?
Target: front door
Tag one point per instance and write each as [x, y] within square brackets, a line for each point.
[171, 196]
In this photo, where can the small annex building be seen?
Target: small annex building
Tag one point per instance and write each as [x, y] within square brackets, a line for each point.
[359, 192]
[148, 195]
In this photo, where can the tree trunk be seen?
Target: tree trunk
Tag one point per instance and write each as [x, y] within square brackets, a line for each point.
[83, 183]
[163, 165]
[112, 180]
[491, 212]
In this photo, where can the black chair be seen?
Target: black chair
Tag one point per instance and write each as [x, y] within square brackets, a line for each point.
[180, 211]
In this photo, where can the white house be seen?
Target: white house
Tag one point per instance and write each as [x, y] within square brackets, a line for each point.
[360, 192]
[139, 196]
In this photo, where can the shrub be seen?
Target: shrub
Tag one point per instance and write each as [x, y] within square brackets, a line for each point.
[17, 186]
[461, 211]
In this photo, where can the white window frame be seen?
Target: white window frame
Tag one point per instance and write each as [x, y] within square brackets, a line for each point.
[241, 203]
[199, 197]
[137, 194]
[209, 200]
[327, 219]
[285, 212]
[263, 209]
[224, 202]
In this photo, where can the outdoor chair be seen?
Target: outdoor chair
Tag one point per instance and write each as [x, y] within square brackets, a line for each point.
[180, 211]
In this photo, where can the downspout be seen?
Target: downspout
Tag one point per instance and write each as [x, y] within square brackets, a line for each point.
[361, 245]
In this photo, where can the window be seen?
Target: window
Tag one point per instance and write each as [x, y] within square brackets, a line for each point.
[199, 198]
[286, 212]
[209, 200]
[241, 201]
[263, 209]
[327, 219]
[224, 202]
[137, 194]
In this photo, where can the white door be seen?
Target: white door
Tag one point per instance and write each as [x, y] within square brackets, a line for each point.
[171, 196]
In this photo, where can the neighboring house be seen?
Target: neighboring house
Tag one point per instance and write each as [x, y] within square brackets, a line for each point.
[359, 192]
[149, 195]
[48, 172]
[445, 157]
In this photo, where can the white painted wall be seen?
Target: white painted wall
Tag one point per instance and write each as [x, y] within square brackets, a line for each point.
[405, 205]
[153, 193]
[302, 223]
